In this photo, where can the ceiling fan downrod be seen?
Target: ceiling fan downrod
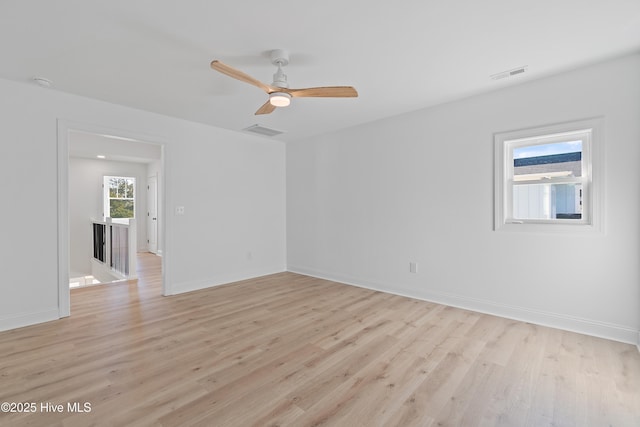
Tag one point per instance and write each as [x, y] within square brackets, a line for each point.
[280, 58]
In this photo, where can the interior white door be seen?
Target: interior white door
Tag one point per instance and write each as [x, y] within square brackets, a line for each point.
[152, 214]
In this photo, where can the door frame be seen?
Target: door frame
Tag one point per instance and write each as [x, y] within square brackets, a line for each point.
[152, 221]
[63, 129]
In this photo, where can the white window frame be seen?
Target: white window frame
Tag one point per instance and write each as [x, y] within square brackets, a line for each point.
[590, 132]
[107, 198]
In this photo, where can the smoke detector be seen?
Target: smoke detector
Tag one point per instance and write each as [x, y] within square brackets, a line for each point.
[509, 73]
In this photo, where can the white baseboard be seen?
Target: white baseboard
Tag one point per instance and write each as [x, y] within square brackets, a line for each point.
[26, 319]
[555, 320]
[196, 285]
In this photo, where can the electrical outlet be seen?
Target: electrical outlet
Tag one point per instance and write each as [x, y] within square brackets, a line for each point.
[179, 210]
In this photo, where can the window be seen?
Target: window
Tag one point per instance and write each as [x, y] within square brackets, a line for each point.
[546, 178]
[119, 196]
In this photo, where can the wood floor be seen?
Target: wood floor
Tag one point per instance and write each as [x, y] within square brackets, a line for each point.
[290, 350]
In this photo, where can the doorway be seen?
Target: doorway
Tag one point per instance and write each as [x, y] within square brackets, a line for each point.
[85, 154]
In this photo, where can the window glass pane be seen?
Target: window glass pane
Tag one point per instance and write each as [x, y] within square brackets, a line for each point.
[547, 201]
[129, 189]
[543, 161]
[113, 187]
[122, 187]
[121, 208]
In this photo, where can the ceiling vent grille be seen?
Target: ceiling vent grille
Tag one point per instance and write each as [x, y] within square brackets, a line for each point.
[264, 131]
[509, 73]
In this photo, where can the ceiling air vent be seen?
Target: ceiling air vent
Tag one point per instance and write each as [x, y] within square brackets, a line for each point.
[509, 73]
[261, 130]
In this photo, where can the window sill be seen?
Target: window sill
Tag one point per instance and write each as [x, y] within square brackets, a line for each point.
[578, 228]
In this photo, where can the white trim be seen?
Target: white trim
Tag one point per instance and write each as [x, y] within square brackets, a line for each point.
[64, 293]
[164, 225]
[196, 285]
[594, 148]
[25, 319]
[540, 317]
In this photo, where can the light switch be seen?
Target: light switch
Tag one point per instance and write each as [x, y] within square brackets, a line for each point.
[413, 267]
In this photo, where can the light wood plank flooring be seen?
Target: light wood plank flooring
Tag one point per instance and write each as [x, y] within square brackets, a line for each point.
[291, 350]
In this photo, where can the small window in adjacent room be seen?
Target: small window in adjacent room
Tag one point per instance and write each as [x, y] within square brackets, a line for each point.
[548, 179]
[119, 196]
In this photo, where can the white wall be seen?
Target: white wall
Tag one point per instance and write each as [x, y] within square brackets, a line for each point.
[232, 186]
[364, 202]
[86, 201]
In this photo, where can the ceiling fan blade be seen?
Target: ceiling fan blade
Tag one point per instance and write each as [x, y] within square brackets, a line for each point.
[239, 75]
[324, 92]
[266, 108]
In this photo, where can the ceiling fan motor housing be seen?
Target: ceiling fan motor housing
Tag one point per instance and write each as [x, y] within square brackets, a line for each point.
[280, 79]
[280, 58]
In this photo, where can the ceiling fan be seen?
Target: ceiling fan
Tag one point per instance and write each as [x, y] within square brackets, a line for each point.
[279, 93]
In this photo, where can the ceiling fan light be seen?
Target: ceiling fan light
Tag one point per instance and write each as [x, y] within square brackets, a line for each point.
[280, 99]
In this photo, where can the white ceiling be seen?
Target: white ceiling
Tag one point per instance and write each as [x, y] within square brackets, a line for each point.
[400, 56]
[89, 145]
